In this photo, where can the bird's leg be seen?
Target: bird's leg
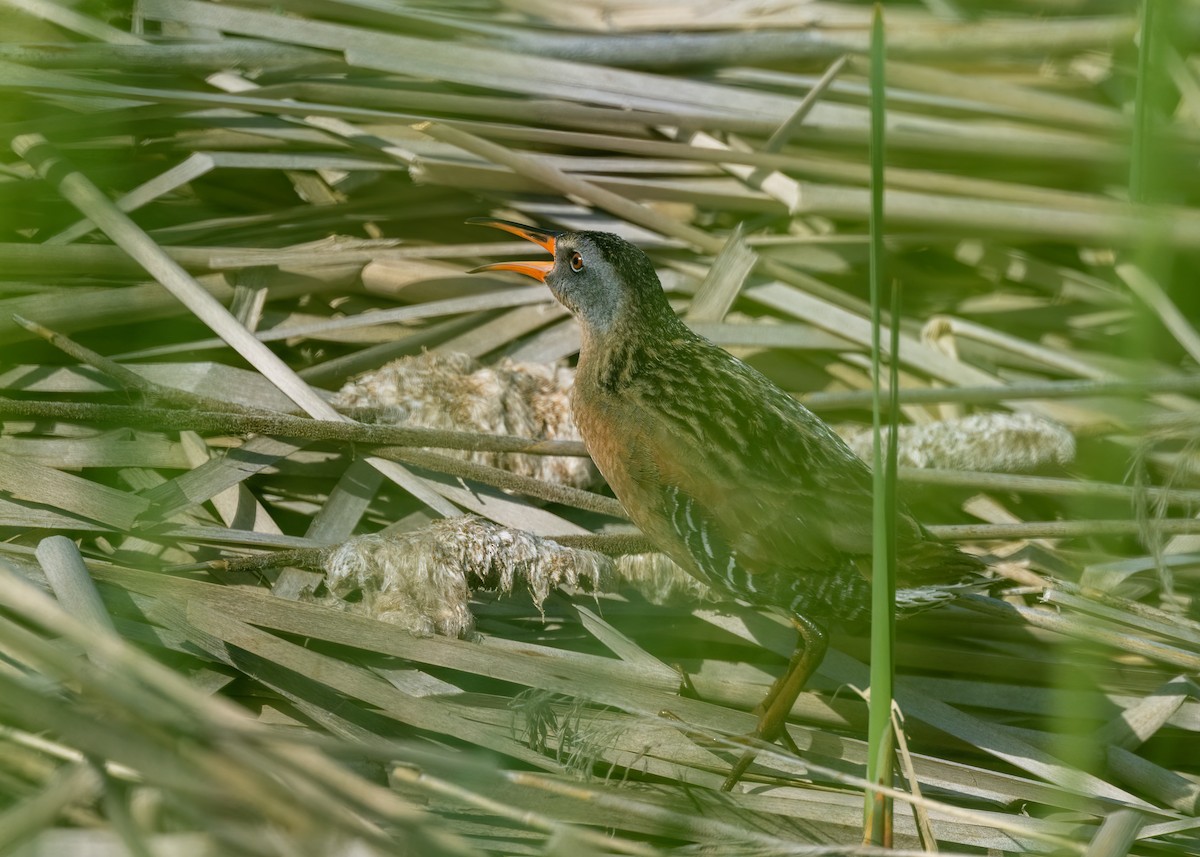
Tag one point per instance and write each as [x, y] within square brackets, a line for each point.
[810, 651]
[775, 707]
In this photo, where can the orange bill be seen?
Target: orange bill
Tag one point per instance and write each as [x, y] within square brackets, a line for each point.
[542, 237]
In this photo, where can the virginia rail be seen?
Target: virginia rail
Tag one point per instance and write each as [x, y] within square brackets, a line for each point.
[735, 480]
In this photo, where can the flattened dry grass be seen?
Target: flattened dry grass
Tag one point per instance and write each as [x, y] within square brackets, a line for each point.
[215, 214]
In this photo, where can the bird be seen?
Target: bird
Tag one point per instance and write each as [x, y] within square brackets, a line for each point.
[730, 476]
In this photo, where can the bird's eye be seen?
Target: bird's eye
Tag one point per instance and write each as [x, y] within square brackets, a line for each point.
[576, 262]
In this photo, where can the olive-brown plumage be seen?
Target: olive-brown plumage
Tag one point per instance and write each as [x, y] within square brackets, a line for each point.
[730, 476]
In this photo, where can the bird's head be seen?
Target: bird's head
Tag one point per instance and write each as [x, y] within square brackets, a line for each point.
[608, 283]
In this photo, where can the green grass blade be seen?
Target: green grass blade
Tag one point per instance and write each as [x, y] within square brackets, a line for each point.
[878, 809]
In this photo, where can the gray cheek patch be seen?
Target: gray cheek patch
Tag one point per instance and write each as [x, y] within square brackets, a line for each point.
[593, 293]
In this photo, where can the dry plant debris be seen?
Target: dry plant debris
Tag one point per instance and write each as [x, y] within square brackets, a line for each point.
[1006, 443]
[253, 203]
[453, 391]
[422, 580]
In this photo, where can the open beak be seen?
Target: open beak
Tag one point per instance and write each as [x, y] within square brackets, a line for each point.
[542, 237]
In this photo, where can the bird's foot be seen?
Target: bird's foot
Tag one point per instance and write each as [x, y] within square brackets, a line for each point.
[699, 738]
[762, 737]
[773, 711]
[686, 688]
[758, 738]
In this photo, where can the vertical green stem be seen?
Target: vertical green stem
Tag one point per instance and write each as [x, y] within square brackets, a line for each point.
[878, 810]
[1140, 161]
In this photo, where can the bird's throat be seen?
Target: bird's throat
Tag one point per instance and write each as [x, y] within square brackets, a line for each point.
[607, 362]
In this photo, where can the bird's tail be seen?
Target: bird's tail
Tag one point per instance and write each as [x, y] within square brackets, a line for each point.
[932, 572]
[931, 563]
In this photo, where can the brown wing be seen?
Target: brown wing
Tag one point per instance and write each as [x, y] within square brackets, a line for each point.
[773, 524]
[744, 481]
